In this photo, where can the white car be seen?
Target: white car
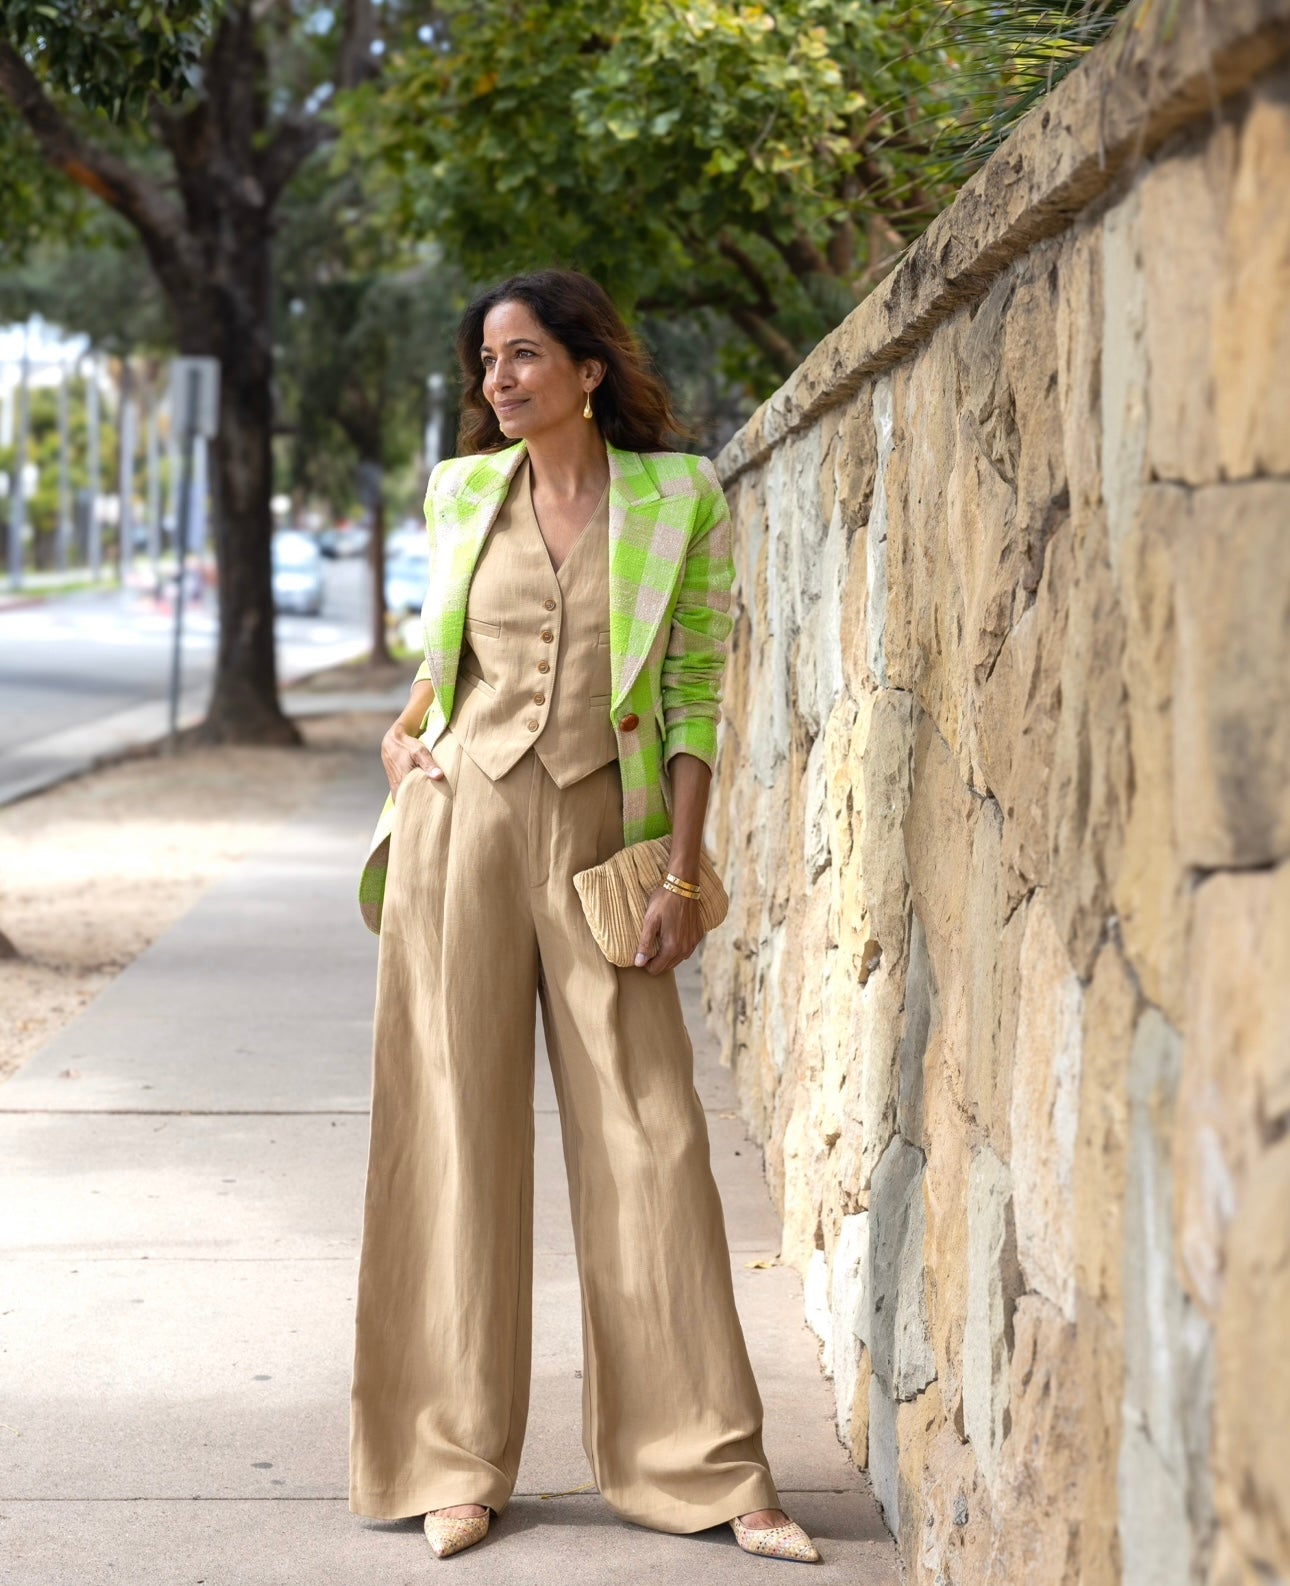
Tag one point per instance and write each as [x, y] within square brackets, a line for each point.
[406, 577]
[297, 573]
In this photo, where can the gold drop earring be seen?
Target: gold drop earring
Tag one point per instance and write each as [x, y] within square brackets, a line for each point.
[586, 407]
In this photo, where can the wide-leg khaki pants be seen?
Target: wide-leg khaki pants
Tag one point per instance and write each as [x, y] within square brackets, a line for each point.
[481, 921]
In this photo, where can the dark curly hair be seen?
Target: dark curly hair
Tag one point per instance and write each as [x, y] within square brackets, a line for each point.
[631, 403]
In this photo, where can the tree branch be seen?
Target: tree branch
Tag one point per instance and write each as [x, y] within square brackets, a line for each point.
[291, 145]
[109, 178]
[299, 133]
[728, 249]
[777, 348]
[354, 60]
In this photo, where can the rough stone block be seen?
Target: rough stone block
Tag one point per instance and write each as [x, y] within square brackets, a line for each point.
[1252, 319]
[848, 1312]
[897, 1328]
[1232, 683]
[1183, 269]
[1045, 1110]
[1164, 1497]
[994, 1285]
[1079, 321]
[922, 1016]
[953, 843]
[1252, 1377]
[1111, 1009]
[859, 1436]
[884, 1453]
[947, 1143]
[1124, 368]
[1234, 1092]
[1038, 1500]
[1150, 890]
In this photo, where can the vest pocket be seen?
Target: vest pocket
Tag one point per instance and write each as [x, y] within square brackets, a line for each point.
[603, 637]
[463, 676]
[491, 630]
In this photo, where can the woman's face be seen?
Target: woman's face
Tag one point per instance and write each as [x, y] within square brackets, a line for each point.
[530, 381]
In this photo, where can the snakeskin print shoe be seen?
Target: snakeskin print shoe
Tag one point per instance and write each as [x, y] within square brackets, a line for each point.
[448, 1534]
[776, 1541]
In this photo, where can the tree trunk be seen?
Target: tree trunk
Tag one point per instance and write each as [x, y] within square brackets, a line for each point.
[228, 314]
[244, 704]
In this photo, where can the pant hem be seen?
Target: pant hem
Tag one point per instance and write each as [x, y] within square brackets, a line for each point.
[680, 1519]
[401, 1505]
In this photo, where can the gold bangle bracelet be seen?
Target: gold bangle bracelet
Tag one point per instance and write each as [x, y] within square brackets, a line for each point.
[682, 890]
[681, 881]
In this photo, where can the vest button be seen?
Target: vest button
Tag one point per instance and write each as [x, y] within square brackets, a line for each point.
[539, 699]
[546, 636]
[531, 724]
[544, 666]
[549, 603]
[630, 723]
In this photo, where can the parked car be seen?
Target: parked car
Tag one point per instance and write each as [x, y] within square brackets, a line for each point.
[407, 538]
[406, 576]
[297, 573]
[344, 539]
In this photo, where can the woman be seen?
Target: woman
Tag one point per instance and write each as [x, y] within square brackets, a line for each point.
[575, 632]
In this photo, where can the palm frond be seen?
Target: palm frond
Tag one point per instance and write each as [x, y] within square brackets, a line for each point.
[1018, 53]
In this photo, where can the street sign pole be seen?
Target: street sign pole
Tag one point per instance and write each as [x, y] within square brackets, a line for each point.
[194, 407]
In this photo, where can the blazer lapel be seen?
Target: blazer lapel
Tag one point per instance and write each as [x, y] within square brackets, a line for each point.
[463, 514]
[648, 535]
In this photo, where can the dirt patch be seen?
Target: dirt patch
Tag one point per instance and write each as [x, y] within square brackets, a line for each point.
[93, 871]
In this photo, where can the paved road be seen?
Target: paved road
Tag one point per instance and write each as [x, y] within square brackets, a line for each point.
[87, 675]
[181, 1171]
[77, 658]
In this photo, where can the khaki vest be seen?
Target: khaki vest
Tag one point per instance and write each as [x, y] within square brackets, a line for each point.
[534, 670]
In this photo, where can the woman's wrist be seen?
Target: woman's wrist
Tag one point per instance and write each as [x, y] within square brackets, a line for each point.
[683, 863]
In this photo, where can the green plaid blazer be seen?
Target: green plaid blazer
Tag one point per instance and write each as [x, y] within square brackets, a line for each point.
[670, 572]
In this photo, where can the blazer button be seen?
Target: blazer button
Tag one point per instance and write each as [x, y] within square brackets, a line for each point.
[630, 723]
[549, 603]
[546, 636]
[531, 725]
[539, 699]
[544, 666]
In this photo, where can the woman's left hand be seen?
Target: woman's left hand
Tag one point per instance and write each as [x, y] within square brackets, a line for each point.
[670, 931]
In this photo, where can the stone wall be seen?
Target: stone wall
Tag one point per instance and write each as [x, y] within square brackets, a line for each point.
[1004, 807]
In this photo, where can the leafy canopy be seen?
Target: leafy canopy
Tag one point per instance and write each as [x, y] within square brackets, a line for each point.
[769, 160]
[113, 58]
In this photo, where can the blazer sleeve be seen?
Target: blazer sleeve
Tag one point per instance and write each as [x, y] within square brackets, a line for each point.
[701, 622]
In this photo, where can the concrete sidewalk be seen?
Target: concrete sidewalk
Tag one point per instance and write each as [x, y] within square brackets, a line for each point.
[174, 1373]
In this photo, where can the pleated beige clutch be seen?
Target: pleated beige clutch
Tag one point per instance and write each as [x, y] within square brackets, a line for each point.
[614, 896]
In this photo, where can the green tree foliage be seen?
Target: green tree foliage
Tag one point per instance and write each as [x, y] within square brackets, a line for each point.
[769, 161]
[360, 326]
[116, 57]
[42, 503]
[111, 60]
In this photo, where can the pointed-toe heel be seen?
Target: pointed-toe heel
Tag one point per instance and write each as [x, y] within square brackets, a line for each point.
[448, 1534]
[776, 1541]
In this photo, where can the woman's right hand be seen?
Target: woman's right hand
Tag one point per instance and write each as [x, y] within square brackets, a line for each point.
[401, 751]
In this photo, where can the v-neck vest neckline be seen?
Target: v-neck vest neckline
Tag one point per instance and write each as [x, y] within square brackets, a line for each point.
[525, 483]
